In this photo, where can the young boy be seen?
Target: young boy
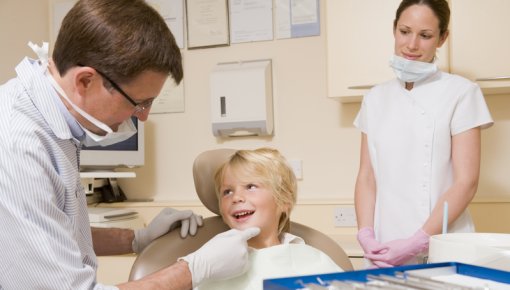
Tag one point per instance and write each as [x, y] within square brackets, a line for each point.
[257, 188]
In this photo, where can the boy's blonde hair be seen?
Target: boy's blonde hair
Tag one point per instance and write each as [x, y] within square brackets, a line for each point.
[269, 167]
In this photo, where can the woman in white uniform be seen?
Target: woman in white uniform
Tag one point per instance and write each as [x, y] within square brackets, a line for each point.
[420, 144]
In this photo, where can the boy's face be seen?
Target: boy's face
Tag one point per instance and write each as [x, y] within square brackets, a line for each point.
[248, 203]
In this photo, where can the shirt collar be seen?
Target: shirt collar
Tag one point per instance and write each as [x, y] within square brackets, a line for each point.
[31, 76]
[288, 238]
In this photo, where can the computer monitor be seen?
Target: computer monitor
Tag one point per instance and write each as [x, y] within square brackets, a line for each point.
[129, 153]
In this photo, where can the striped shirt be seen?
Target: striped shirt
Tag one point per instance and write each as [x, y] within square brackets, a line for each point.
[45, 234]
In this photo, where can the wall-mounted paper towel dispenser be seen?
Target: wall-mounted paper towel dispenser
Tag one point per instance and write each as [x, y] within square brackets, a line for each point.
[242, 99]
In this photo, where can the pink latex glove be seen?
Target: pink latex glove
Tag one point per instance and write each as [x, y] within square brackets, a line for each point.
[366, 238]
[398, 252]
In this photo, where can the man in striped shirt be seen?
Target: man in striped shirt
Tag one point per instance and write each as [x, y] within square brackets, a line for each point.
[110, 61]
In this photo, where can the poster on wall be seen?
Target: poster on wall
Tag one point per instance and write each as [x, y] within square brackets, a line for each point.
[170, 99]
[172, 12]
[207, 22]
[251, 20]
[297, 18]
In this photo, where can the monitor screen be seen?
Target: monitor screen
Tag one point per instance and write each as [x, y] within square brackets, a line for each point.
[128, 153]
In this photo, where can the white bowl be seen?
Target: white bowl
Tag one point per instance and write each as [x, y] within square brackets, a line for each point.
[484, 249]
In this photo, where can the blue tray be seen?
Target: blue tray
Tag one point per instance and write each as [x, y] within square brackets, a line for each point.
[295, 283]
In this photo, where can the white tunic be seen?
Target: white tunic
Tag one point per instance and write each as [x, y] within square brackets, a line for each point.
[409, 137]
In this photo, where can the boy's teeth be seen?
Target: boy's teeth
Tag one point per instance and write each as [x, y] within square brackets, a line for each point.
[244, 213]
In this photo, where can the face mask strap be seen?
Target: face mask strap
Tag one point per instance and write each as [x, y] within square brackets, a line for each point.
[84, 114]
[126, 129]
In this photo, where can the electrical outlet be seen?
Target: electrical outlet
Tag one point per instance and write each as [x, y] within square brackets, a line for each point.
[345, 217]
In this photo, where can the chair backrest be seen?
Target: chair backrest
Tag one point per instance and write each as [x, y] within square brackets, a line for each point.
[165, 250]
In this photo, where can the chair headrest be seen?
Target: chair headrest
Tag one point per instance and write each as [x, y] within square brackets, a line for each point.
[204, 168]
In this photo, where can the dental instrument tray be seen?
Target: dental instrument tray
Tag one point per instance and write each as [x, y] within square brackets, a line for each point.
[448, 275]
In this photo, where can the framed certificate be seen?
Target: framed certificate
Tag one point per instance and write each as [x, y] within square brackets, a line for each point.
[207, 22]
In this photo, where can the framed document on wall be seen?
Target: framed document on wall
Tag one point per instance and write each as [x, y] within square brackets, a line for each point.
[207, 22]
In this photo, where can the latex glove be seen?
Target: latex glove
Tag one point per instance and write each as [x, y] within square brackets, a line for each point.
[379, 264]
[401, 251]
[366, 238]
[224, 256]
[168, 219]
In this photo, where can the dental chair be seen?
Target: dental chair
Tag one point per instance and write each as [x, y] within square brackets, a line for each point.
[165, 250]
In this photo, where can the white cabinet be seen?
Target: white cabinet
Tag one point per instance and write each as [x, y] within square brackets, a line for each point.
[359, 46]
[480, 42]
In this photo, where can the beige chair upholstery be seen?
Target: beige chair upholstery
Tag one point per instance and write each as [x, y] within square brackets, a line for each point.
[165, 250]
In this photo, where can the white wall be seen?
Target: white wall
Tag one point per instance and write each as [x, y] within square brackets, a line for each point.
[21, 21]
[308, 125]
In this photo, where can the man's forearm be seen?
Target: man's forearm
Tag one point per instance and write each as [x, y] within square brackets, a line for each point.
[174, 277]
[112, 241]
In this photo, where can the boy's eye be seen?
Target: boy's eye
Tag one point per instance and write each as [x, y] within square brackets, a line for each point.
[227, 192]
[251, 186]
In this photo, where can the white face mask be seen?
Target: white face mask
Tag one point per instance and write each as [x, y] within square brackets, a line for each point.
[125, 130]
[411, 71]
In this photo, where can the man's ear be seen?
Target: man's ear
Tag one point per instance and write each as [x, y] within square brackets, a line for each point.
[83, 79]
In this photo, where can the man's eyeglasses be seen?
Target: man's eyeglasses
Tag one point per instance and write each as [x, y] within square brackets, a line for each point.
[139, 107]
